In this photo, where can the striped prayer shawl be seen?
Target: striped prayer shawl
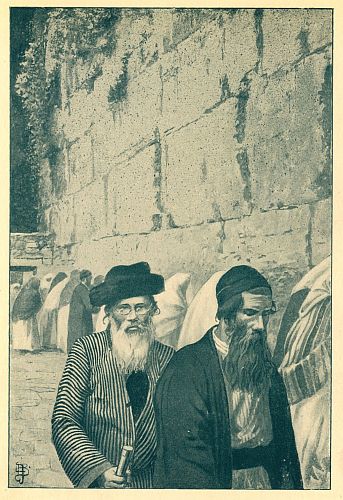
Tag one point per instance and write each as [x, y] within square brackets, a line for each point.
[92, 418]
[307, 362]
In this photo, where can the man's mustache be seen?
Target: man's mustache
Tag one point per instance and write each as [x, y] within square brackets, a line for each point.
[135, 327]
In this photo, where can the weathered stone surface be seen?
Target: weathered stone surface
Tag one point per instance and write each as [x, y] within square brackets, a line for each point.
[64, 225]
[239, 51]
[81, 163]
[319, 23]
[204, 178]
[321, 230]
[132, 189]
[191, 77]
[104, 143]
[284, 37]
[137, 116]
[277, 131]
[78, 117]
[90, 205]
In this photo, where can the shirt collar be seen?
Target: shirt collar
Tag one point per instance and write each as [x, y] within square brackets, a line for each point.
[221, 346]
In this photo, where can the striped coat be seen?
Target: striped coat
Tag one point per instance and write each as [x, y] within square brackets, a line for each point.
[92, 418]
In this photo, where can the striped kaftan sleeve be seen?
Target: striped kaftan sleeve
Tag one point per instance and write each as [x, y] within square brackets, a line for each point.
[80, 459]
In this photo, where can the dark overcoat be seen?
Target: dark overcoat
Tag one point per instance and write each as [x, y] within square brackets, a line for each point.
[193, 427]
[80, 320]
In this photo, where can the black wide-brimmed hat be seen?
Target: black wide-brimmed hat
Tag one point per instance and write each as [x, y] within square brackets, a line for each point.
[123, 282]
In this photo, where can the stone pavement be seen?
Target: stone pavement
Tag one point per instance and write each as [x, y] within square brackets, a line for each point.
[34, 380]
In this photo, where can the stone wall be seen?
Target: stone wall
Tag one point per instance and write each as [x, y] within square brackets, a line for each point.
[202, 142]
[34, 249]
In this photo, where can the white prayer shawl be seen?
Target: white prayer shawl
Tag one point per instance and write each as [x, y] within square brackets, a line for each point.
[47, 317]
[201, 314]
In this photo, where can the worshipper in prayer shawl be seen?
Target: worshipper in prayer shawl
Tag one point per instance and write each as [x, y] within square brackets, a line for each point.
[105, 397]
[25, 309]
[57, 279]
[80, 321]
[63, 309]
[14, 290]
[221, 406]
[303, 355]
[48, 315]
[45, 283]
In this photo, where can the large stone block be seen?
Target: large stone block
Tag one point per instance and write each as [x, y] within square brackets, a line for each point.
[204, 180]
[191, 76]
[64, 223]
[321, 230]
[90, 211]
[98, 256]
[81, 163]
[285, 37]
[78, 117]
[320, 26]
[285, 136]
[240, 53]
[132, 190]
[137, 116]
[270, 239]
[104, 142]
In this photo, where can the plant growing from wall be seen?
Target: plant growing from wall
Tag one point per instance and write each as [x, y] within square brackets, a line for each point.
[59, 35]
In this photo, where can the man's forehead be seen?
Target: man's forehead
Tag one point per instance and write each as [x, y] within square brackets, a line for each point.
[259, 300]
[134, 300]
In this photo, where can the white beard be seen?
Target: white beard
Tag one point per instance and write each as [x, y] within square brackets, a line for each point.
[131, 350]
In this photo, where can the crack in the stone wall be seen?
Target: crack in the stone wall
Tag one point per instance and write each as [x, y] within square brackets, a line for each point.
[222, 237]
[243, 162]
[158, 170]
[258, 15]
[105, 178]
[323, 182]
[158, 181]
[241, 107]
[308, 237]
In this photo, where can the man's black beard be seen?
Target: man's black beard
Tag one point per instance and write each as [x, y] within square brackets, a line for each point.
[248, 364]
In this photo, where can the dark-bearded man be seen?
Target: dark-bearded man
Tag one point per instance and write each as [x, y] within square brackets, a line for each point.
[105, 397]
[221, 405]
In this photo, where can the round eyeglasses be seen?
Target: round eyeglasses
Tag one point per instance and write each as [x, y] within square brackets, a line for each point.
[140, 309]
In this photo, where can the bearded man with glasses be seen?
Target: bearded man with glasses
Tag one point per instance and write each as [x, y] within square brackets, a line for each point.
[105, 398]
[222, 414]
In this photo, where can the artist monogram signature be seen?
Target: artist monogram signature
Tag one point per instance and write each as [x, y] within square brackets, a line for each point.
[21, 470]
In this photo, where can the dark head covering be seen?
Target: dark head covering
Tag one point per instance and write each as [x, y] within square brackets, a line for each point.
[28, 301]
[237, 280]
[57, 279]
[84, 274]
[123, 282]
